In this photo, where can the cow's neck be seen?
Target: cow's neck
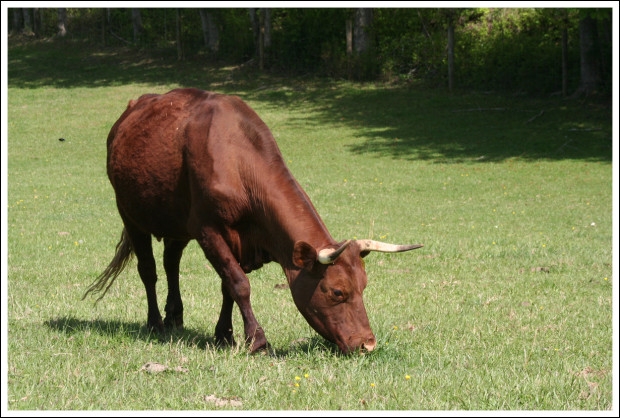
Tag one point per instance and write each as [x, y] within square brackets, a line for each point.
[288, 217]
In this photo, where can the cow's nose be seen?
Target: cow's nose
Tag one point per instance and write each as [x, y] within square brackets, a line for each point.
[370, 344]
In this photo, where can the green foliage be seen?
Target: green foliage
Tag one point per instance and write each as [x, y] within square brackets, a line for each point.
[236, 38]
[308, 40]
[522, 49]
[496, 49]
[410, 43]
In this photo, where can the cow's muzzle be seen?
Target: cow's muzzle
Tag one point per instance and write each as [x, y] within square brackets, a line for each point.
[369, 345]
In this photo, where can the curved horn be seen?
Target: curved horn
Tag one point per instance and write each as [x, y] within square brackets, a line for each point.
[329, 255]
[370, 245]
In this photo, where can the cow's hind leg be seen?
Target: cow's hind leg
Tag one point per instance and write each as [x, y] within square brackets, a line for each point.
[143, 249]
[173, 250]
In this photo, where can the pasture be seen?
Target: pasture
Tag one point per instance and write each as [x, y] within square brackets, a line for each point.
[508, 305]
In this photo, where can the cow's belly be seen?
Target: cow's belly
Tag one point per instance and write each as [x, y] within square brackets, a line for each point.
[163, 220]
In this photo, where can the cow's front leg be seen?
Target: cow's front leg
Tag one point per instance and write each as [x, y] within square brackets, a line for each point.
[237, 285]
[224, 328]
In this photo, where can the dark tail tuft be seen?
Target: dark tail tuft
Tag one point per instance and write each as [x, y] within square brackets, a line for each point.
[124, 251]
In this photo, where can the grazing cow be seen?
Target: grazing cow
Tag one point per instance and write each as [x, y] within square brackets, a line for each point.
[191, 164]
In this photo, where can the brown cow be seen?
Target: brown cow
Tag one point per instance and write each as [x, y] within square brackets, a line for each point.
[190, 164]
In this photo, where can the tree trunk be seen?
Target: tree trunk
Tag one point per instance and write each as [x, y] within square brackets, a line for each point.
[361, 37]
[136, 19]
[267, 24]
[605, 48]
[205, 27]
[180, 55]
[36, 22]
[564, 61]
[62, 22]
[260, 20]
[17, 20]
[210, 32]
[590, 77]
[255, 26]
[261, 39]
[104, 26]
[214, 33]
[27, 21]
[450, 55]
[349, 35]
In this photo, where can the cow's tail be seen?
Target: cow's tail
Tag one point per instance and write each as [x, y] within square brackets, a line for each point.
[124, 252]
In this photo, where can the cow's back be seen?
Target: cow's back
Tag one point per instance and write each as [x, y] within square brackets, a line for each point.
[184, 154]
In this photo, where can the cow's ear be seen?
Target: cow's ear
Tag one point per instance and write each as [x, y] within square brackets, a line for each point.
[304, 255]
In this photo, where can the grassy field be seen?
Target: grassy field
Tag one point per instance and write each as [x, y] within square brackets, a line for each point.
[507, 307]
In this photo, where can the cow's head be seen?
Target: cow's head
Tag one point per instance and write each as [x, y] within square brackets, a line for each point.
[328, 290]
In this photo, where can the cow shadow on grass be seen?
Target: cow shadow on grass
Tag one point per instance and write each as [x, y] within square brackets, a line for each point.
[139, 331]
[136, 330]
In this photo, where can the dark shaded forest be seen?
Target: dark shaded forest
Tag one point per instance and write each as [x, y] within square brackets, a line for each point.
[546, 51]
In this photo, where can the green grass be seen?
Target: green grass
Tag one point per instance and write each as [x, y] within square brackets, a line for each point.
[492, 194]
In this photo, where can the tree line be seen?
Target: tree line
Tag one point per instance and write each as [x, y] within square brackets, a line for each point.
[560, 51]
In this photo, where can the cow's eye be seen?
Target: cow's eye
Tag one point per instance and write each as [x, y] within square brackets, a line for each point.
[338, 293]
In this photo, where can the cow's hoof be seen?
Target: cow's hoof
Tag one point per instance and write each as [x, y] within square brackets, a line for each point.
[262, 348]
[224, 341]
[156, 326]
[173, 324]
